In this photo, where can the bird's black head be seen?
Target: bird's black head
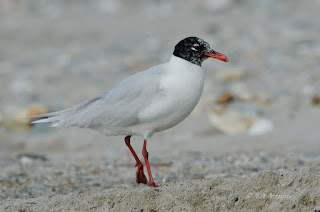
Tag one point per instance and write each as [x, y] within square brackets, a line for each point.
[195, 50]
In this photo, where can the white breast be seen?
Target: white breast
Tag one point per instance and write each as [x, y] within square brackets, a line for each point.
[181, 88]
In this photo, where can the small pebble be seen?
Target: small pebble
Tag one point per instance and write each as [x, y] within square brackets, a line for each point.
[315, 100]
[225, 97]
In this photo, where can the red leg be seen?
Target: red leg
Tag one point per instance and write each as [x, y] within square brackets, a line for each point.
[141, 178]
[145, 155]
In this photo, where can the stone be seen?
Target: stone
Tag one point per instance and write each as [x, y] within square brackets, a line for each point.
[315, 100]
[242, 92]
[28, 158]
[260, 127]
[13, 118]
[233, 74]
[225, 97]
[231, 121]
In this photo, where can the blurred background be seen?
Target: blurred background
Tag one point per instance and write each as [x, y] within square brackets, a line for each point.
[259, 111]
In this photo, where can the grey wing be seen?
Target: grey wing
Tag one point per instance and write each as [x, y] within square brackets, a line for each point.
[120, 106]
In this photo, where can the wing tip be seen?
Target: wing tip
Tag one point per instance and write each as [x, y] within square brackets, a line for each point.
[39, 121]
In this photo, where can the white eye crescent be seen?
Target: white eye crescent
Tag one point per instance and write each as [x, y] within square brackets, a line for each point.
[195, 47]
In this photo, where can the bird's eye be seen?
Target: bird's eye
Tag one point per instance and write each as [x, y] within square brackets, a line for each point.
[195, 47]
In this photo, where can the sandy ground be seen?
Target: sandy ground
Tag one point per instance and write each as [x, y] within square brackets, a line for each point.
[57, 54]
[283, 190]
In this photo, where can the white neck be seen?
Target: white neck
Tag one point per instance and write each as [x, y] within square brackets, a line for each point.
[178, 63]
[182, 62]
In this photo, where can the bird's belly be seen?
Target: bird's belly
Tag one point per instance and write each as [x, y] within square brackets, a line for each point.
[162, 122]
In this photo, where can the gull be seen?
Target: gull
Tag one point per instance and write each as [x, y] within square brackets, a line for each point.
[147, 102]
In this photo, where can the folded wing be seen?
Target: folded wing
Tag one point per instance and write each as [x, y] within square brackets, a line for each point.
[120, 106]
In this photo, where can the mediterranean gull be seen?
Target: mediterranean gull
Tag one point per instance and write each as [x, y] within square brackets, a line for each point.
[147, 102]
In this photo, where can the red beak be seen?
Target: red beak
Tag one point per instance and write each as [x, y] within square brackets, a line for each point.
[217, 55]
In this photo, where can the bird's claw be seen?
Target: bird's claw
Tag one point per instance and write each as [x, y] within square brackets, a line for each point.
[152, 184]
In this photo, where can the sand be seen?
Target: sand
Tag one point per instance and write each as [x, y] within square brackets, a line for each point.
[283, 190]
